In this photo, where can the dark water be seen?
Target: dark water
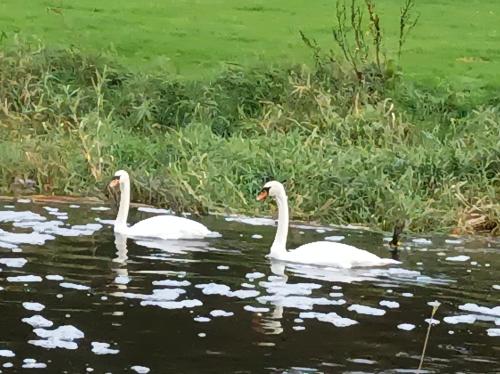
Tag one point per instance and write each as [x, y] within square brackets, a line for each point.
[308, 319]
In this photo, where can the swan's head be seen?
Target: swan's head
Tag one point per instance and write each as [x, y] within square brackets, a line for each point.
[273, 189]
[119, 179]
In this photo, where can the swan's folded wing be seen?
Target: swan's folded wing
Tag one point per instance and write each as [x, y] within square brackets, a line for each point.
[337, 255]
[168, 227]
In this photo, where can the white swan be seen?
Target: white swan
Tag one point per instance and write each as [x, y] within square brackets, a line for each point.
[322, 253]
[158, 227]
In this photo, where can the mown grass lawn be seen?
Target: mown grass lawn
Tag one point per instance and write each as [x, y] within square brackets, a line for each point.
[456, 40]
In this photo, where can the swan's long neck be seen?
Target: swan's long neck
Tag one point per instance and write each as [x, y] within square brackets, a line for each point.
[121, 218]
[278, 249]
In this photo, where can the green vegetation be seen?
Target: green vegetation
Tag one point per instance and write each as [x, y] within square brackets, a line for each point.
[355, 144]
[456, 39]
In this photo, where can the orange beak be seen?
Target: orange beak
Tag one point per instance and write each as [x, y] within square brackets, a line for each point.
[262, 195]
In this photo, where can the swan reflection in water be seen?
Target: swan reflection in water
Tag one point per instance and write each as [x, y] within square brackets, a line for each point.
[121, 261]
[280, 294]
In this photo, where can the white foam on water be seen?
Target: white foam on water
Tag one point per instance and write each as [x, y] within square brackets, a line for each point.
[336, 288]
[451, 332]
[13, 216]
[100, 208]
[460, 258]
[335, 238]
[140, 369]
[24, 279]
[407, 294]
[222, 289]
[283, 289]
[104, 298]
[298, 320]
[363, 361]
[254, 275]
[54, 227]
[201, 319]
[422, 241]
[164, 294]
[331, 317]
[256, 236]
[38, 321]
[453, 241]
[154, 210]
[214, 289]
[7, 245]
[244, 294]
[13, 262]
[6, 353]
[122, 279]
[74, 286]
[473, 263]
[66, 333]
[432, 321]
[496, 287]
[298, 328]
[54, 277]
[248, 285]
[298, 302]
[110, 222]
[34, 365]
[320, 231]
[36, 307]
[8, 365]
[493, 332]
[33, 238]
[74, 206]
[406, 326]
[9, 206]
[103, 349]
[254, 309]
[252, 221]
[172, 283]
[202, 334]
[87, 229]
[54, 343]
[24, 201]
[222, 267]
[465, 318]
[221, 313]
[173, 304]
[474, 308]
[336, 294]
[363, 309]
[389, 304]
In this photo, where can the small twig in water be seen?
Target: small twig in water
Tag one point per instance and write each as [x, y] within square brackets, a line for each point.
[434, 310]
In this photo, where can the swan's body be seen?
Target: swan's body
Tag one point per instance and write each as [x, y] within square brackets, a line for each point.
[159, 227]
[321, 253]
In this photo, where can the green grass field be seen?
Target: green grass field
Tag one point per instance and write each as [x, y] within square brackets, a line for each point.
[456, 40]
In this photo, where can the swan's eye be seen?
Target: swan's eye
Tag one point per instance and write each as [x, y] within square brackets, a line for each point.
[263, 194]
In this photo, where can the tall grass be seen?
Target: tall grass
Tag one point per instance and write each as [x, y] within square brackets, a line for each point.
[348, 155]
